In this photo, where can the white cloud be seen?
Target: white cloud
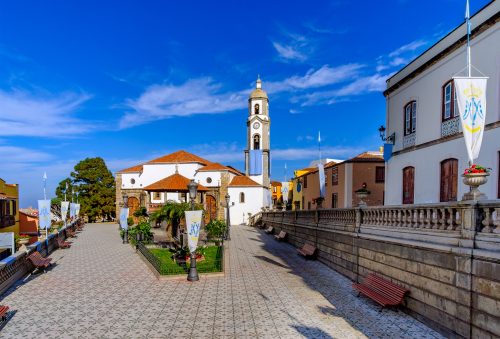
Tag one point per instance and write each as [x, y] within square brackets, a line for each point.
[27, 114]
[309, 153]
[295, 48]
[401, 55]
[410, 47]
[289, 52]
[195, 96]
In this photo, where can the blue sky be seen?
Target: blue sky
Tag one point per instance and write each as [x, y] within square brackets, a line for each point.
[132, 80]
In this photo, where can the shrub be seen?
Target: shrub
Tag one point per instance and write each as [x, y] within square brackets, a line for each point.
[216, 229]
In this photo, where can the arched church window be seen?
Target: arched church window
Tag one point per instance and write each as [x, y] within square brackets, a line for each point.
[256, 109]
[242, 197]
[256, 141]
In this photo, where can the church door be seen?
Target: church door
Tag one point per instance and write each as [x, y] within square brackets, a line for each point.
[211, 209]
[133, 205]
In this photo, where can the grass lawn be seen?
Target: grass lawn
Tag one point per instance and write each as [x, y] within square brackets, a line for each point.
[212, 262]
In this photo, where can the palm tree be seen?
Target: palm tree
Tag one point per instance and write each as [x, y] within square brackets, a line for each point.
[173, 213]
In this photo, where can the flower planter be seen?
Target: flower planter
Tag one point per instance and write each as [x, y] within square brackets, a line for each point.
[474, 180]
[361, 197]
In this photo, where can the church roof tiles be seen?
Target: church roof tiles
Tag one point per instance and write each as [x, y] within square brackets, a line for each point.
[173, 183]
[243, 181]
[179, 157]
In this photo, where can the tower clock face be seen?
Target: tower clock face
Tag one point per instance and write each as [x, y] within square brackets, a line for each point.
[256, 125]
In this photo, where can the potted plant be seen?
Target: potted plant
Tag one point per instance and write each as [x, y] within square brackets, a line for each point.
[362, 194]
[475, 176]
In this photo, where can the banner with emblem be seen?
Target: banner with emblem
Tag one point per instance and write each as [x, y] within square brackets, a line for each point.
[321, 173]
[471, 100]
[44, 214]
[193, 223]
[284, 191]
[64, 210]
[77, 210]
[123, 218]
[72, 210]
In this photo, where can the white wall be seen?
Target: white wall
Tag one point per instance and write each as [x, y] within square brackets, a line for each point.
[254, 200]
[426, 88]
[201, 178]
[153, 172]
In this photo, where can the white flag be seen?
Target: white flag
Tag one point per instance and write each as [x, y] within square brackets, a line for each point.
[72, 210]
[44, 214]
[193, 222]
[64, 210]
[284, 191]
[123, 218]
[321, 173]
[471, 100]
[77, 210]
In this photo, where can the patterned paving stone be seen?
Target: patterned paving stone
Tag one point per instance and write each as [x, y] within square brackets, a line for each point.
[100, 288]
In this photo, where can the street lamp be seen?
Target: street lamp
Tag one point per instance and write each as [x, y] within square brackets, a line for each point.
[228, 220]
[193, 272]
[125, 205]
[390, 139]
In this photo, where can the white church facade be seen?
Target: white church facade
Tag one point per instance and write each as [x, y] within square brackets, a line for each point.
[155, 182]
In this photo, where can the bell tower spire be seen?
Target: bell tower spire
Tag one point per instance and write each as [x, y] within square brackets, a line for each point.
[257, 153]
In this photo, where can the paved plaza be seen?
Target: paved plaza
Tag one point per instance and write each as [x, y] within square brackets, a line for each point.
[100, 288]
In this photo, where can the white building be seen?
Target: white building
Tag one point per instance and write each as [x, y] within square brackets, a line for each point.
[429, 153]
[155, 182]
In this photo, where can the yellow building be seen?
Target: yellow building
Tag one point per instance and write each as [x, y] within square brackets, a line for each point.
[9, 207]
[298, 185]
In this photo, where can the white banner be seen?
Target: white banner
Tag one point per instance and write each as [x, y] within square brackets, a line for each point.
[44, 214]
[193, 223]
[72, 210]
[471, 100]
[77, 210]
[123, 218]
[7, 241]
[321, 173]
[64, 210]
[284, 191]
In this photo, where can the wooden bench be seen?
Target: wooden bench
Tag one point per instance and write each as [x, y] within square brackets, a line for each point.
[63, 244]
[380, 290]
[39, 261]
[269, 230]
[307, 250]
[3, 312]
[70, 233]
[280, 236]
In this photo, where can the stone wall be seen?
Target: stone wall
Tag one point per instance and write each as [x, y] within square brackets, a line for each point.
[448, 256]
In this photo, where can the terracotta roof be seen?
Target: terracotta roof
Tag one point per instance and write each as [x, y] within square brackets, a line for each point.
[276, 183]
[29, 212]
[215, 166]
[368, 157]
[173, 183]
[237, 171]
[243, 180]
[137, 168]
[179, 157]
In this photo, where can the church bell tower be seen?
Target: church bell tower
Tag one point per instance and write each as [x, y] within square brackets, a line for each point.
[257, 153]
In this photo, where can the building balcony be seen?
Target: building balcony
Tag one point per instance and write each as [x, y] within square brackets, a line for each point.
[7, 220]
[450, 127]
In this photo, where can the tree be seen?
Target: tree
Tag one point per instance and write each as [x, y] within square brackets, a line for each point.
[61, 190]
[96, 188]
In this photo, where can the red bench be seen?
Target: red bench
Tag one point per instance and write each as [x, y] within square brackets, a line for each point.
[39, 261]
[63, 244]
[3, 312]
[380, 290]
[307, 250]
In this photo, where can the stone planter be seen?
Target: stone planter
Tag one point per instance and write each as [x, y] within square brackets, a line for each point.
[23, 243]
[361, 197]
[474, 180]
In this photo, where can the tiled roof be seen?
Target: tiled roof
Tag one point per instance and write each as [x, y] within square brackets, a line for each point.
[133, 169]
[243, 180]
[179, 157]
[29, 211]
[276, 183]
[368, 157]
[215, 166]
[173, 183]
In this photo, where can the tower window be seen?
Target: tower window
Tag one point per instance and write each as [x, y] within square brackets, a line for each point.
[256, 109]
[256, 141]
[242, 197]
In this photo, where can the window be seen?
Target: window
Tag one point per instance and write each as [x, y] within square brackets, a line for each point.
[257, 109]
[335, 200]
[335, 175]
[449, 178]
[305, 181]
[132, 181]
[308, 205]
[242, 197]
[256, 141]
[449, 101]
[156, 195]
[408, 184]
[410, 117]
[379, 174]
[302, 202]
[209, 180]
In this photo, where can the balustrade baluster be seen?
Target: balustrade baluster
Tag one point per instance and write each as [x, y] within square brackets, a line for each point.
[435, 218]
[415, 218]
[496, 222]
[451, 219]
[442, 220]
[487, 220]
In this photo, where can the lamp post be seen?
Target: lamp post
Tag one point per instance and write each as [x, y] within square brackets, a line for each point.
[193, 272]
[125, 205]
[390, 139]
[228, 220]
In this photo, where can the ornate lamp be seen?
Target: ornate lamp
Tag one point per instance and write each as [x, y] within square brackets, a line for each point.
[390, 139]
[193, 272]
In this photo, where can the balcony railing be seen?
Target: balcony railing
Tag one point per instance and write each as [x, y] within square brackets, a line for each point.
[7, 220]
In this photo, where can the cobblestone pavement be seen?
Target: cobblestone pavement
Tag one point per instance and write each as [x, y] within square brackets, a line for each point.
[100, 288]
